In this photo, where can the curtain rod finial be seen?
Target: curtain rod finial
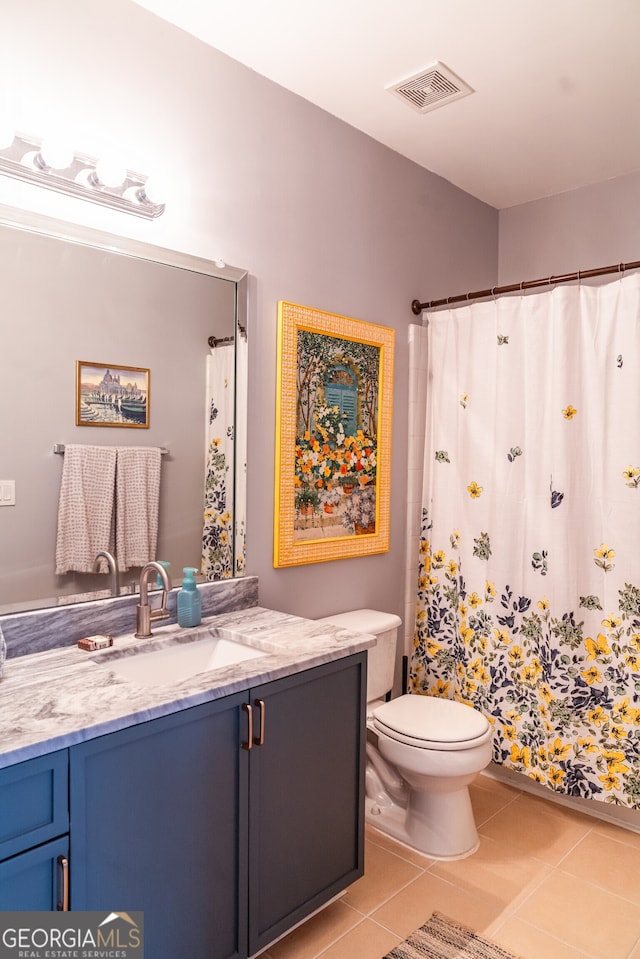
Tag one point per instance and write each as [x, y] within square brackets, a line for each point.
[416, 307]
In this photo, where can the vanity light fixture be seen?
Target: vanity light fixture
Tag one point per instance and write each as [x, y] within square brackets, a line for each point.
[48, 163]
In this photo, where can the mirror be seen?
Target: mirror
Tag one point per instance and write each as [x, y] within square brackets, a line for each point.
[71, 294]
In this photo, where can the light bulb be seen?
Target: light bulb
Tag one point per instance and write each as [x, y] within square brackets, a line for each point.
[55, 154]
[153, 191]
[110, 172]
[7, 135]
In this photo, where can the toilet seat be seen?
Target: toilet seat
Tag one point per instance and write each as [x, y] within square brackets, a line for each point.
[429, 722]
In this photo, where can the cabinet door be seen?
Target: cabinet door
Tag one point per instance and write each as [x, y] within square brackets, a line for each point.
[34, 880]
[155, 827]
[306, 795]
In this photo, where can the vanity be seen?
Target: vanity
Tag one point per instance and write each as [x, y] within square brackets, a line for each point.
[225, 801]
[227, 805]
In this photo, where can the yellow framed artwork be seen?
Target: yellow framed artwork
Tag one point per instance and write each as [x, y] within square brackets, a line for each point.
[334, 404]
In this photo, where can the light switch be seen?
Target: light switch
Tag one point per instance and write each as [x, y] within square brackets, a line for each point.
[7, 492]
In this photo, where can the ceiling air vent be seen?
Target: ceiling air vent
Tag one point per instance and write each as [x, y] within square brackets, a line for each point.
[433, 87]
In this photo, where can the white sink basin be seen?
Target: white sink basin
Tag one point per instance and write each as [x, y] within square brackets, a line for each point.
[177, 661]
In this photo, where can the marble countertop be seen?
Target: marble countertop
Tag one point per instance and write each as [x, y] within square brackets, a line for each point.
[53, 699]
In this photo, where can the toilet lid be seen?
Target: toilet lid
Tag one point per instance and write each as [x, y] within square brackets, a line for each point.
[431, 722]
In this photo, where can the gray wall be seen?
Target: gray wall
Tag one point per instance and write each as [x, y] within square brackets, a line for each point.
[318, 213]
[584, 229]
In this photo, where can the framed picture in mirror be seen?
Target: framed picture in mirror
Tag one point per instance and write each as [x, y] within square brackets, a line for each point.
[112, 395]
[333, 436]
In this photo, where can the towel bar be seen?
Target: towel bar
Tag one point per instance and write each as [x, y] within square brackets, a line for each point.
[59, 448]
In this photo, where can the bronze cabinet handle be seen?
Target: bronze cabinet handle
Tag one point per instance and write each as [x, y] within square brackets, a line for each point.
[259, 739]
[248, 710]
[63, 886]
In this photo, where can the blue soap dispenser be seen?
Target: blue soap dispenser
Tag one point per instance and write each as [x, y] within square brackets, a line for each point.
[158, 577]
[189, 603]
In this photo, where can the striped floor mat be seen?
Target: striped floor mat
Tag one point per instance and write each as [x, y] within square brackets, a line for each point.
[443, 938]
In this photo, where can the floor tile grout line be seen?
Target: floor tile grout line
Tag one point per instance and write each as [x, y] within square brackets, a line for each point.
[620, 839]
[510, 909]
[515, 905]
[380, 844]
[555, 801]
[361, 918]
[617, 895]
[497, 811]
[633, 949]
[330, 945]
[383, 902]
[575, 846]
[325, 949]
[564, 942]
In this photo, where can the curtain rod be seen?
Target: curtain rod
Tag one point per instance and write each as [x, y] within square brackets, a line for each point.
[417, 307]
[214, 341]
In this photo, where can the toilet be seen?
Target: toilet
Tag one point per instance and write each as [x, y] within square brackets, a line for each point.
[422, 752]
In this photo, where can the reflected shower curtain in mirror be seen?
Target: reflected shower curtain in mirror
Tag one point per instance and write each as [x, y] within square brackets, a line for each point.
[528, 600]
[217, 534]
[240, 519]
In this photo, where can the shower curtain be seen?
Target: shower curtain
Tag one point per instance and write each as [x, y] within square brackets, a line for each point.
[240, 420]
[217, 534]
[528, 603]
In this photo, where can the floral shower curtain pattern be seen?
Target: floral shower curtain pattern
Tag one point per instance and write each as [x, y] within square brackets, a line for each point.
[217, 534]
[240, 420]
[529, 581]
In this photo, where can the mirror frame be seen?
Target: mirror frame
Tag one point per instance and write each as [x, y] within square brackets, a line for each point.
[31, 222]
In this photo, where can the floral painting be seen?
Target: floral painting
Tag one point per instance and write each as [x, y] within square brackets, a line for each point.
[333, 439]
[108, 395]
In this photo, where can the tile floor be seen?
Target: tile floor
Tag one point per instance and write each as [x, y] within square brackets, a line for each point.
[546, 883]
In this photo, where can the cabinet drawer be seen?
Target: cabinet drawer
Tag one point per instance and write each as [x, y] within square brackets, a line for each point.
[34, 802]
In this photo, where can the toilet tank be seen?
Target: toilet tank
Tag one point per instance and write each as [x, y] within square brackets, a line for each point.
[381, 657]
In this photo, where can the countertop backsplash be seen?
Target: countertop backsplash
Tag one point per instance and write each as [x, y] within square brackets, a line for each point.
[43, 629]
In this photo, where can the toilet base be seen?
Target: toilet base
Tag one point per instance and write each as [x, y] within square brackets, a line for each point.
[461, 838]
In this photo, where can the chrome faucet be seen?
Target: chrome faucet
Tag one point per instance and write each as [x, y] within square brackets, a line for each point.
[144, 612]
[113, 569]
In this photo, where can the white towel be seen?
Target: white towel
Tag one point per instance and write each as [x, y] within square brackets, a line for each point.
[85, 510]
[137, 504]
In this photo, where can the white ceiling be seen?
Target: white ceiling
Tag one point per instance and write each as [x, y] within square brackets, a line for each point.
[557, 82]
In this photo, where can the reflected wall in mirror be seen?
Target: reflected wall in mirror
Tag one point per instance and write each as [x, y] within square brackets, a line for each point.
[69, 293]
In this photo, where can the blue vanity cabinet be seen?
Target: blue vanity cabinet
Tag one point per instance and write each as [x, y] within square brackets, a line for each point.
[306, 794]
[225, 847]
[157, 825]
[34, 827]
